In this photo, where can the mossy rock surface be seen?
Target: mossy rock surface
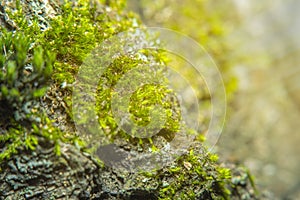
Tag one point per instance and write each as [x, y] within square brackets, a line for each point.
[41, 174]
[45, 159]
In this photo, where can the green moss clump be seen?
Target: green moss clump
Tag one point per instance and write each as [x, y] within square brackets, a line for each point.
[24, 75]
[141, 101]
[196, 177]
[23, 78]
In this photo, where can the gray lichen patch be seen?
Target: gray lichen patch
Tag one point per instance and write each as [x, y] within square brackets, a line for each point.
[42, 174]
[40, 10]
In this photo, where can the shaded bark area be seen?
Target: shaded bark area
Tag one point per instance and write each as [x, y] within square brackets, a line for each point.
[41, 174]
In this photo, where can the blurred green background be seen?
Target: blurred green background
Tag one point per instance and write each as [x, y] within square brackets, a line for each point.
[256, 47]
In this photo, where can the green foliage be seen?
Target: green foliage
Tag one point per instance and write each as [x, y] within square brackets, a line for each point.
[210, 23]
[71, 36]
[74, 33]
[148, 95]
[115, 4]
[141, 101]
[23, 78]
[26, 66]
[196, 175]
[13, 138]
[24, 75]
[20, 137]
[79, 29]
[47, 130]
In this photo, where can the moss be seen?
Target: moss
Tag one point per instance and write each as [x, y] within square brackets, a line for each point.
[196, 176]
[23, 80]
[147, 96]
[26, 69]
[24, 73]
[71, 36]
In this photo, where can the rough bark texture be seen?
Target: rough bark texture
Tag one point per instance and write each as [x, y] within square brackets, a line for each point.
[41, 174]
